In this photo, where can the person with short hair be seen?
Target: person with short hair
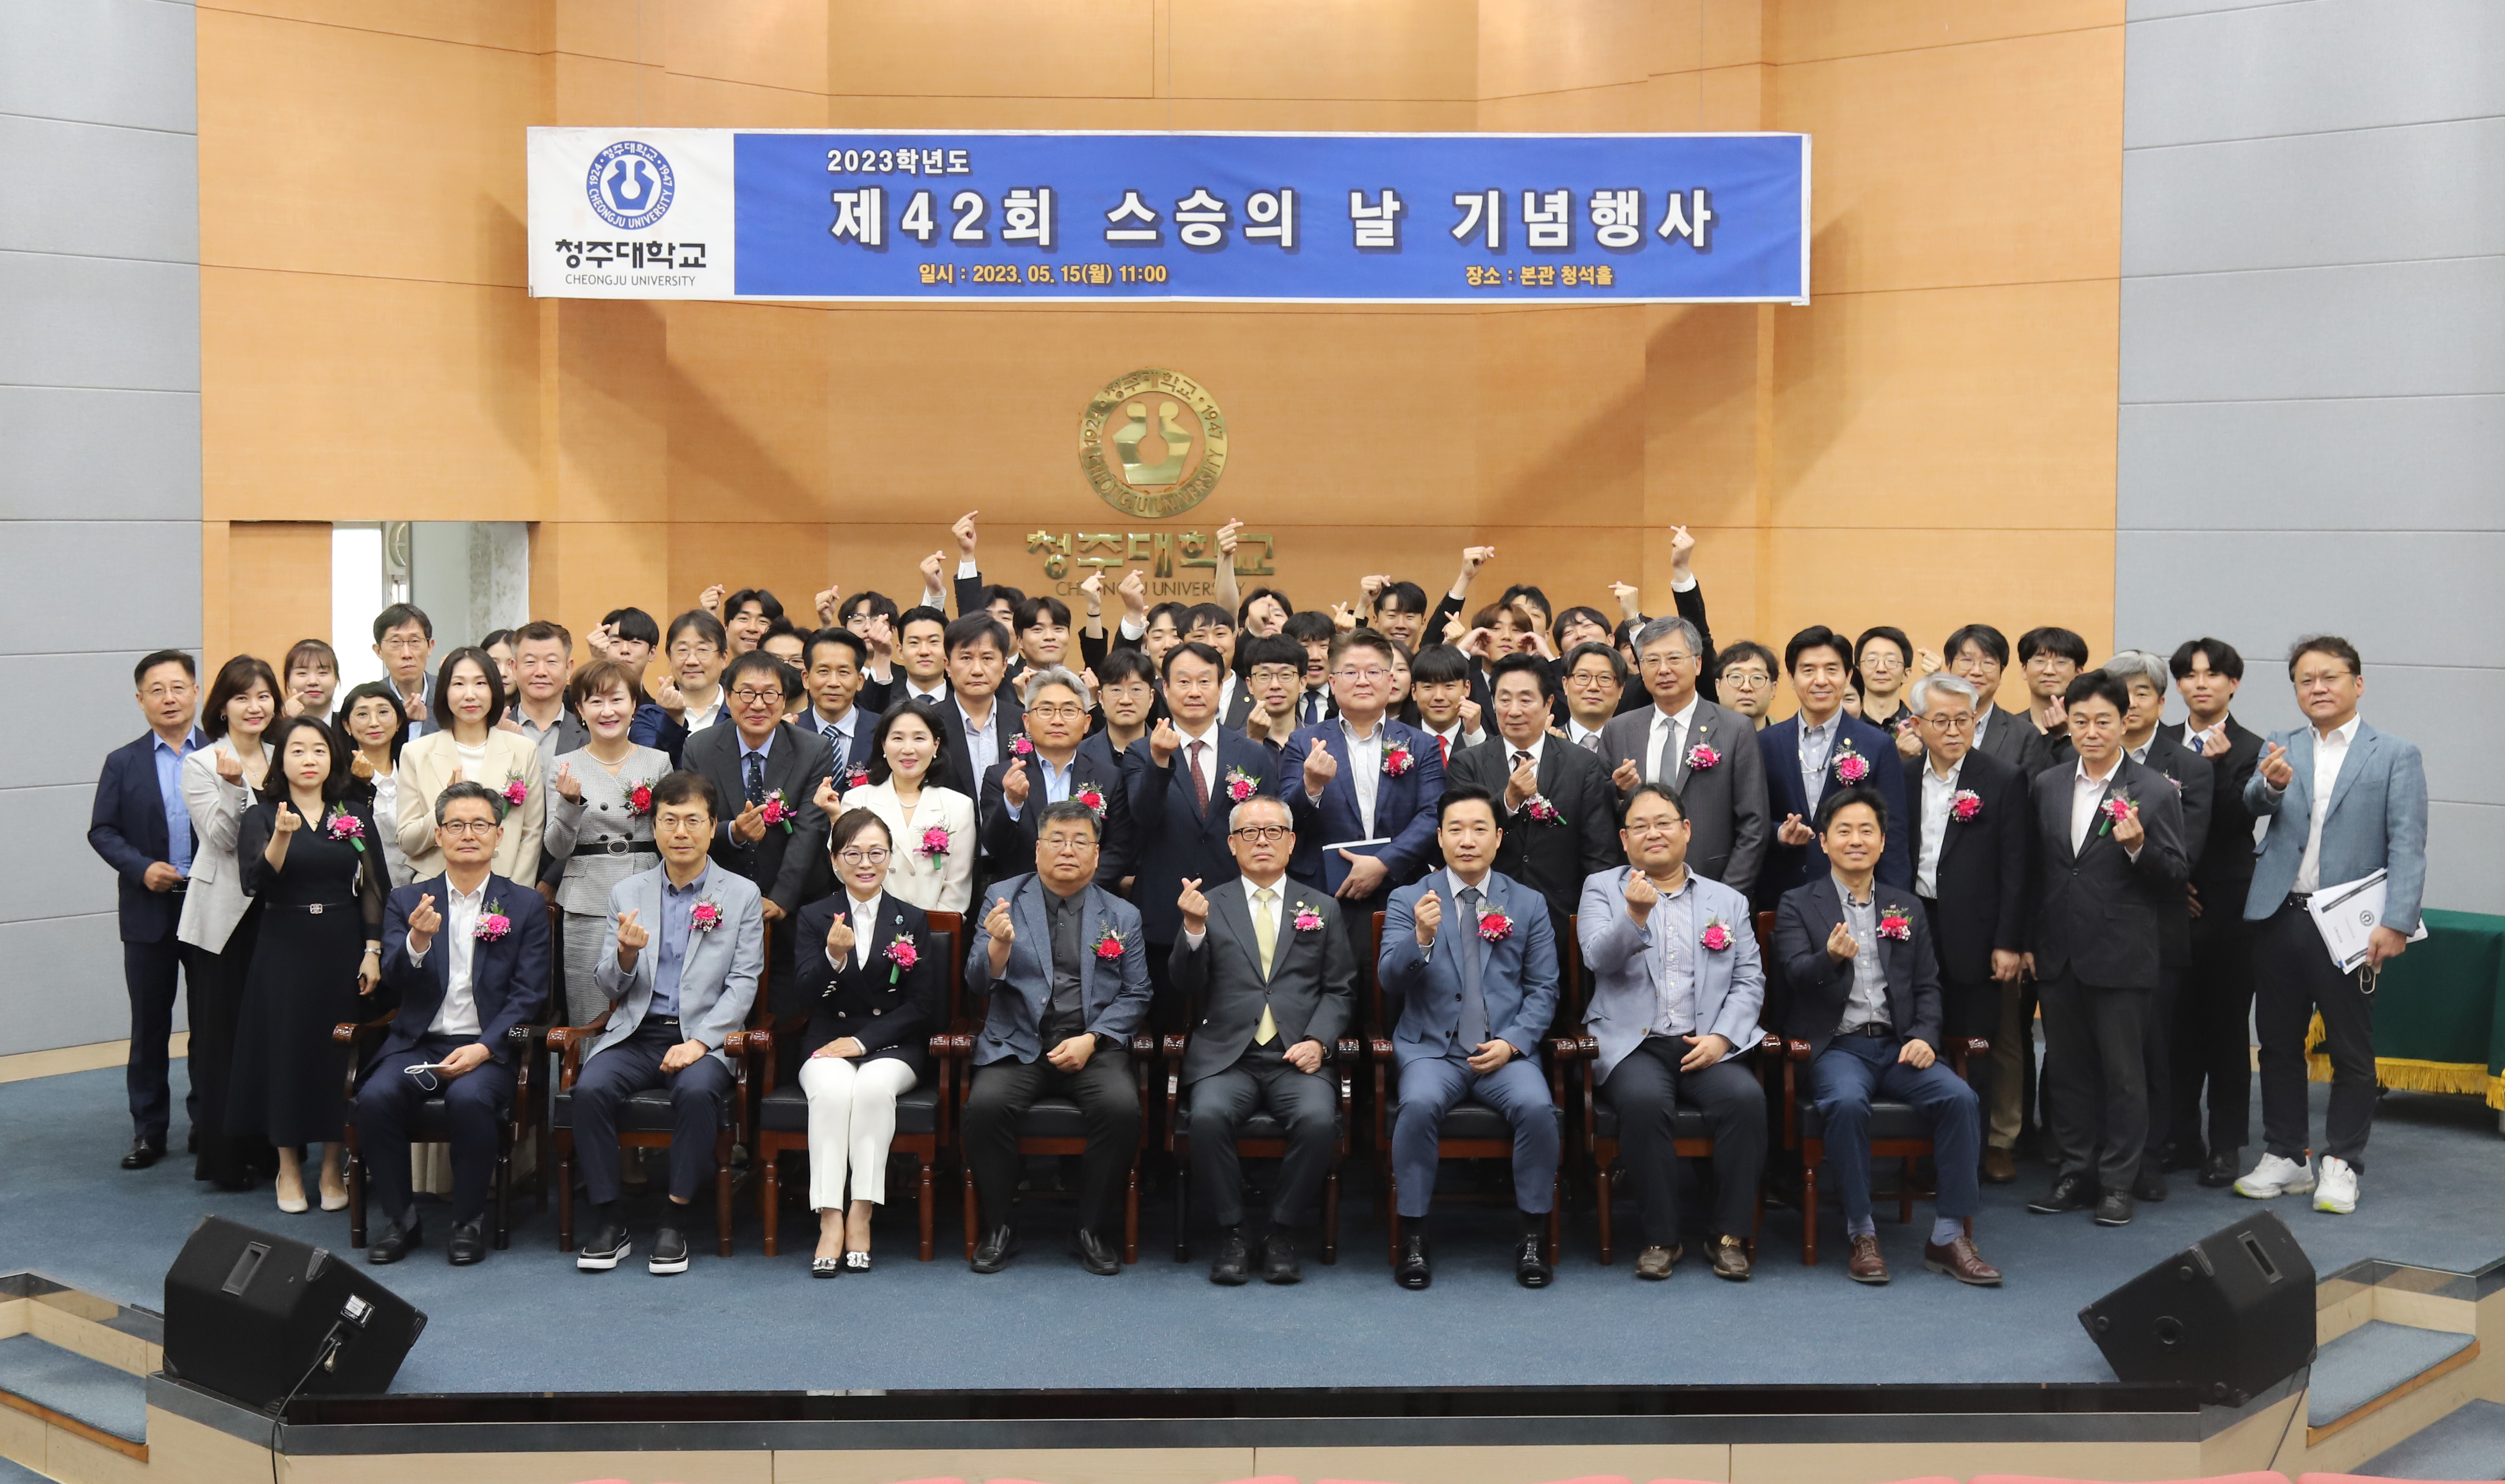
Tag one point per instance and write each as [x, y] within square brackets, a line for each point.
[1042, 625]
[1979, 655]
[542, 664]
[1127, 703]
[470, 696]
[1313, 634]
[834, 671]
[1883, 662]
[311, 673]
[1274, 670]
[1262, 612]
[1166, 626]
[1045, 766]
[1594, 679]
[627, 635]
[2343, 801]
[1708, 754]
[2052, 656]
[935, 823]
[1820, 751]
[1748, 681]
[404, 642]
[221, 920]
[1362, 776]
[2212, 1045]
[1554, 803]
[922, 655]
[689, 698]
[599, 822]
[873, 616]
[1440, 679]
[746, 617]
[767, 771]
[980, 718]
[1397, 610]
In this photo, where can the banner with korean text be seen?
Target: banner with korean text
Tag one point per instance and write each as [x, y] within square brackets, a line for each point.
[942, 216]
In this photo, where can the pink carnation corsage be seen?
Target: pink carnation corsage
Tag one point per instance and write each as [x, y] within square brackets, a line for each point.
[1397, 760]
[1496, 927]
[902, 954]
[704, 916]
[1894, 923]
[1967, 805]
[1716, 936]
[348, 827]
[1701, 757]
[1308, 921]
[935, 843]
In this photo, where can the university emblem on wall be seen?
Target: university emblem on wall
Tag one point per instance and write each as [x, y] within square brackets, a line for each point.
[1153, 443]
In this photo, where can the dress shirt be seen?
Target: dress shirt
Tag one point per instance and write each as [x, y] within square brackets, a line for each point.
[764, 754]
[1587, 738]
[1452, 895]
[915, 690]
[1276, 911]
[545, 736]
[1533, 748]
[1227, 693]
[2329, 753]
[2085, 794]
[1057, 783]
[1671, 729]
[678, 937]
[458, 1015]
[1455, 741]
[865, 918]
[1201, 752]
[169, 794]
[1984, 712]
[1867, 1004]
[1362, 760]
[1939, 802]
[1313, 705]
[1670, 925]
[839, 733]
[699, 717]
[984, 742]
[1816, 743]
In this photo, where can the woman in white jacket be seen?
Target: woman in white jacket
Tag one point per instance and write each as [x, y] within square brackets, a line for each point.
[933, 826]
[219, 923]
[468, 702]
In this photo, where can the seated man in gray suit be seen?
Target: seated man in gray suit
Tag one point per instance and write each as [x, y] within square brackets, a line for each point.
[1677, 991]
[685, 945]
[1066, 970]
[1469, 1002]
[1267, 966]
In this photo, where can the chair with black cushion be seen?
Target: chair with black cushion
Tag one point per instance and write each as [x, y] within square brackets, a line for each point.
[1471, 1129]
[645, 1121]
[1261, 1137]
[433, 1123]
[1055, 1126]
[921, 1113]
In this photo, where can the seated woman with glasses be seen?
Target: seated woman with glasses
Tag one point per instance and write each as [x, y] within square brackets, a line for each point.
[932, 826]
[869, 971]
[599, 821]
[1048, 768]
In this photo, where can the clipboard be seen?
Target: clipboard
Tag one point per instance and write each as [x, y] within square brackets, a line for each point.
[1335, 870]
[2348, 914]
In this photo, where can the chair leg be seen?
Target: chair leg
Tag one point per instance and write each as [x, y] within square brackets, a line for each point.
[1556, 1214]
[923, 1197]
[355, 1192]
[1905, 1192]
[1182, 1205]
[1330, 1217]
[1131, 1215]
[970, 1213]
[722, 1181]
[769, 1201]
[1392, 1219]
[1812, 1154]
[565, 1191]
[505, 1191]
[1601, 1195]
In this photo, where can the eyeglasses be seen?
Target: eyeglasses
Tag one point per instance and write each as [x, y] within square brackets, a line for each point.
[1665, 661]
[1275, 673]
[758, 697]
[1363, 674]
[1263, 834]
[1059, 846]
[1957, 723]
[855, 855]
[479, 827]
[1655, 827]
[409, 645]
[1057, 713]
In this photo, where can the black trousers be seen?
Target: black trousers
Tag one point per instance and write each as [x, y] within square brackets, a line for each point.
[150, 971]
[1107, 1101]
[1968, 1008]
[1645, 1090]
[214, 983]
[1305, 1103]
[2095, 1093]
[1169, 1009]
[2293, 977]
[2213, 1046]
[478, 1102]
[2157, 1056]
[699, 1107]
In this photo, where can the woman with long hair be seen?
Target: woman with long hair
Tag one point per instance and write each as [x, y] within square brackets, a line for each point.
[932, 825]
[220, 919]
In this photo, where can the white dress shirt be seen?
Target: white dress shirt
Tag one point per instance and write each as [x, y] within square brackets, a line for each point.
[1360, 759]
[2086, 792]
[1201, 751]
[1939, 802]
[1587, 738]
[1455, 741]
[1673, 729]
[2329, 753]
[458, 1015]
[864, 916]
[839, 733]
[699, 717]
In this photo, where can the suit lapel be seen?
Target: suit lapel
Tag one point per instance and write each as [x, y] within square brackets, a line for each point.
[1035, 925]
[1230, 903]
[2351, 766]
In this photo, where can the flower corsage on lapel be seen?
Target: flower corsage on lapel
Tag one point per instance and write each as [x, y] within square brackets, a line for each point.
[1093, 798]
[348, 827]
[1240, 785]
[1849, 765]
[776, 810]
[1309, 918]
[1966, 807]
[515, 792]
[1109, 946]
[1495, 927]
[900, 954]
[1397, 760]
[492, 923]
[1022, 745]
[2116, 808]
[1701, 757]
[1717, 936]
[1540, 810]
[858, 776]
[638, 798]
[1894, 922]
[705, 916]
[934, 848]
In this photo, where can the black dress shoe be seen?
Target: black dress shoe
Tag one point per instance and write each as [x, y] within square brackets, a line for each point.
[2114, 1209]
[2184, 1156]
[994, 1251]
[1530, 1267]
[2071, 1193]
[2148, 1184]
[2219, 1171]
[468, 1244]
[607, 1247]
[1232, 1267]
[395, 1242]
[1416, 1267]
[1279, 1260]
[669, 1253]
[1098, 1255]
[143, 1153]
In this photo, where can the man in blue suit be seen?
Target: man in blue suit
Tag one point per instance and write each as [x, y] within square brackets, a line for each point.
[2343, 801]
[1470, 1001]
[143, 831]
[466, 952]
[1818, 751]
[1362, 776]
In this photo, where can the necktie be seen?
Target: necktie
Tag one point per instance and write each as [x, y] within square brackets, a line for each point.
[1444, 750]
[756, 778]
[1667, 772]
[1199, 776]
[1592, 743]
[1474, 1021]
[1265, 937]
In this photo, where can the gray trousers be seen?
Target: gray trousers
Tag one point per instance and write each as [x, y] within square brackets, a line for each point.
[2096, 1072]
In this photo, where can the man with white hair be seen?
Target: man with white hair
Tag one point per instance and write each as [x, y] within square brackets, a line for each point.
[1045, 766]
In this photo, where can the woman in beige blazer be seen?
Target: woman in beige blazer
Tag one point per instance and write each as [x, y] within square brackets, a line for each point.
[933, 827]
[219, 924]
[468, 701]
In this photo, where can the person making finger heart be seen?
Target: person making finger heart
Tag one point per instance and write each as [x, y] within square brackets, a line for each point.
[1362, 776]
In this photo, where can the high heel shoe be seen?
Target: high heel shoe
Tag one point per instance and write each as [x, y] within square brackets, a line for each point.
[826, 1267]
[293, 1205]
[856, 1262]
[334, 1202]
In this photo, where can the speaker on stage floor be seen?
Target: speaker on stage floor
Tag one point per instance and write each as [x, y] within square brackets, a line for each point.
[260, 1318]
[2232, 1314]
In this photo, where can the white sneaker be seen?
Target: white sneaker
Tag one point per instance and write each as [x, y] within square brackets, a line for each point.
[2277, 1176]
[2337, 1191]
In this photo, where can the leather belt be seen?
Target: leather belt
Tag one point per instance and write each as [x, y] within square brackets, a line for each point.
[1874, 1030]
[311, 909]
[617, 847]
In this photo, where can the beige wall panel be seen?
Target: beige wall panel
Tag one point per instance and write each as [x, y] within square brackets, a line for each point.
[1928, 582]
[1062, 1466]
[292, 114]
[1734, 98]
[1871, 1463]
[1558, 46]
[1324, 49]
[1497, 1465]
[774, 43]
[1730, 33]
[1810, 30]
[197, 1454]
[1700, 434]
[1353, 114]
[1619, 108]
[605, 400]
[1561, 419]
[1071, 49]
[615, 30]
[748, 413]
[745, 1467]
[278, 587]
[941, 112]
[595, 92]
[1950, 407]
[510, 24]
[1941, 166]
[709, 103]
[581, 570]
[785, 559]
[345, 398]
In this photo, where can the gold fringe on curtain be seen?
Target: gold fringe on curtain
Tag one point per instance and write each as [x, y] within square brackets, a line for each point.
[2463, 1077]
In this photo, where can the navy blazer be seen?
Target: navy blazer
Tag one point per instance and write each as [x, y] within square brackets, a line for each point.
[890, 1012]
[1820, 988]
[1172, 840]
[1404, 806]
[1790, 866]
[509, 975]
[128, 828]
[1009, 845]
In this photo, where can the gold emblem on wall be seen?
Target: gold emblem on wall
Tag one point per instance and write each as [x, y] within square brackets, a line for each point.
[1153, 443]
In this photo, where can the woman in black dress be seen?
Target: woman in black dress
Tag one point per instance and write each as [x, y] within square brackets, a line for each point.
[313, 861]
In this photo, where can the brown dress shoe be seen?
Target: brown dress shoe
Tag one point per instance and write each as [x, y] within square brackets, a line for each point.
[1960, 1260]
[1999, 1167]
[1866, 1266]
[1655, 1262]
[1730, 1259]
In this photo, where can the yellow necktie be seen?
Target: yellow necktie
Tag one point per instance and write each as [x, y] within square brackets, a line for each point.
[1265, 937]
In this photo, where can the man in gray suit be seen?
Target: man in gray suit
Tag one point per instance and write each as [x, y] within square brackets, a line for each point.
[685, 945]
[1677, 989]
[1707, 754]
[2344, 802]
[1269, 969]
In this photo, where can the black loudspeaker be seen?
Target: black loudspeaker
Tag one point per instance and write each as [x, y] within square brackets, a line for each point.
[257, 1317]
[2232, 1314]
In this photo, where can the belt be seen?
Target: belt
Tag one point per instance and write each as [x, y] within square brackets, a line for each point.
[619, 846]
[1874, 1030]
[2297, 899]
[313, 909]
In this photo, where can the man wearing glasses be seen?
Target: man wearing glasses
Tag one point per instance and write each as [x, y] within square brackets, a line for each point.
[404, 641]
[1364, 789]
[1707, 754]
[771, 769]
[1015, 790]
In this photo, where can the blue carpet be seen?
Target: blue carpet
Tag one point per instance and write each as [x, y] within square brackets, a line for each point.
[111, 1401]
[2369, 1360]
[2466, 1444]
[527, 1320]
[20, 1474]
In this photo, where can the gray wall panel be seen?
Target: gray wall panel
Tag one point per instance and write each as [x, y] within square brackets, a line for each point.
[2465, 871]
[100, 62]
[2294, 69]
[2374, 330]
[35, 887]
[2294, 465]
[53, 573]
[55, 205]
[70, 750]
[64, 985]
[107, 455]
[99, 322]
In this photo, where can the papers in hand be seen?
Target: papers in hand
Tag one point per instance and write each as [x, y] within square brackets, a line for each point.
[2346, 914]
[1335, 867]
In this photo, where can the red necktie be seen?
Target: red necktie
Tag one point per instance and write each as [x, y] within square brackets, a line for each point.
[1444, 750]
[1199, 778]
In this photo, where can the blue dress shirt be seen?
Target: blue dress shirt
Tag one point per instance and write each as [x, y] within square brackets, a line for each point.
[678, 937]
[169, 792]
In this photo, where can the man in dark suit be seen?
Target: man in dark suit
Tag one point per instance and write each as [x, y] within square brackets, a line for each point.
[1970, 832]
[1554, 802]
[2212, 1012]
[1706, 752]
[1362, 776]
[1063, 966]
[979, 714]
[404, 642]
[837, 659]
[1045, 766]
[142, 830]
[1866, 1002]
[1979, 655]
[463, 987]
[1816, 752]
[772, 769]
[1179, 783]
[1269, 971]
[2108, 865]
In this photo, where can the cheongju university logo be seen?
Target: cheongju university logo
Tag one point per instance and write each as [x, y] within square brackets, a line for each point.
[630, 185]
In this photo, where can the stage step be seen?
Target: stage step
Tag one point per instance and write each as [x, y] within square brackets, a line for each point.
[20, 1474]
[2373, 1361]
[2467, 1444]
[39, 1377]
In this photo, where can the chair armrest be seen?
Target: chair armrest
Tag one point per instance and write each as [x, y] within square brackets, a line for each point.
[1172, 1048]
[350, 1033]
[1143, 1046]
[569, 1041]
[1965, 1049]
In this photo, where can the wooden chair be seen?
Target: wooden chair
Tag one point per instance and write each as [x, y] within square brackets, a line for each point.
[433, 1123]
[1472, 1130]
[1261, 1137]
[645, 1121]
[1054, 1126]
[921, 1113]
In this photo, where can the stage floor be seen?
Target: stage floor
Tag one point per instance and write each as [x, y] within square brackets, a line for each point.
[2434, 1195]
